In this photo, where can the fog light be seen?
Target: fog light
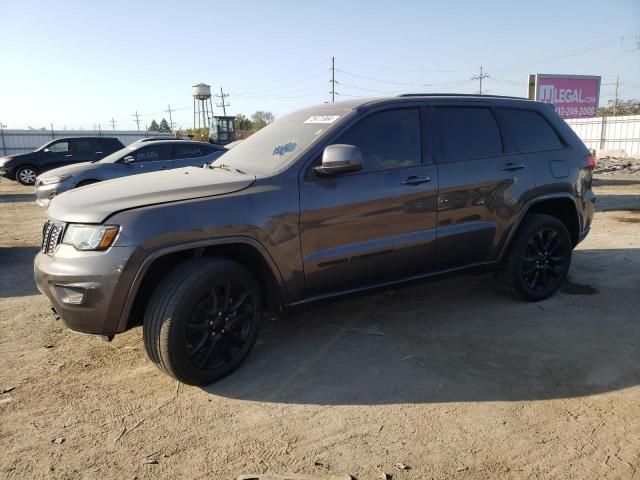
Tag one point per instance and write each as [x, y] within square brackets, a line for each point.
[71, 294]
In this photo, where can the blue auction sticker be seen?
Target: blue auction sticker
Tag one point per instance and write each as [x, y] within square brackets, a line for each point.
[286, 148]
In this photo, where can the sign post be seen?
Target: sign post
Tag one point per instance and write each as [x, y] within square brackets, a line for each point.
[573, 96]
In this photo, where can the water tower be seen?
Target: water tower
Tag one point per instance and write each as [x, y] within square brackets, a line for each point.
[202, 106]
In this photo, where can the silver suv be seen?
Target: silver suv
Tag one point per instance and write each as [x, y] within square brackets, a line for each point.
[139, 157]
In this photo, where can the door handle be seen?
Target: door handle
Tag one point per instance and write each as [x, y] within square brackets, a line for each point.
[415, 180]
[68, 155]
[512, 166]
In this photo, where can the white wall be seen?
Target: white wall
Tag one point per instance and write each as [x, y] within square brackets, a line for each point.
[620, 133]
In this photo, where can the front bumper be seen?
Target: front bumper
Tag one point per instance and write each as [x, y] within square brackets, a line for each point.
[81, 286]
[44, 193]
[8, 173]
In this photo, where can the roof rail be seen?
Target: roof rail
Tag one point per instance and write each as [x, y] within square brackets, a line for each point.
[458, 95]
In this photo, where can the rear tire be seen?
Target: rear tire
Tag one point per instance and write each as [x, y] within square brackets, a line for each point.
[203, 320]
[538, 259]
[27, 174]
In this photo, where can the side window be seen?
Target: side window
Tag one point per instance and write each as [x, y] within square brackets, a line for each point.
[188, 150]
[388, 139]
[59, 147]
[467, 133]
[152, 153]
[86, 146]
[530, 130]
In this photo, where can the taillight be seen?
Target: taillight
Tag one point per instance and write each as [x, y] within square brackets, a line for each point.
[591, 161]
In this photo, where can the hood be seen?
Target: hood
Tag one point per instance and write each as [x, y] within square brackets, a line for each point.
[94, 203]
[70, 169]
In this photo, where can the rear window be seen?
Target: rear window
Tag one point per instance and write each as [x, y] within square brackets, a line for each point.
[530, 130]
[467, 133]
[87, 146]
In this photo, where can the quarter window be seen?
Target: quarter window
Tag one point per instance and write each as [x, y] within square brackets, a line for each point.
[389, 139]
[530, 130]
[467, 133]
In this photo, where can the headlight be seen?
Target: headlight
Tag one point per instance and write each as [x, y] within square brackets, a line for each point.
[90, 237]
[54, 179]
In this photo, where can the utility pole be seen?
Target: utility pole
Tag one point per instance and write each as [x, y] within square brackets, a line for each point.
[333, 79]
[480, 77]
[113, 123]
[137, 115]
[169, 111]
[4, 146]
[615, 101]
[222, 103]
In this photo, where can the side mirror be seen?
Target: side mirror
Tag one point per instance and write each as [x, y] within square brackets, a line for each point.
[128, 159]
[340, 158]
[46, 150]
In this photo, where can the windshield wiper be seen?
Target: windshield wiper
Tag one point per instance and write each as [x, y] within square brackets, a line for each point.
[224, 167]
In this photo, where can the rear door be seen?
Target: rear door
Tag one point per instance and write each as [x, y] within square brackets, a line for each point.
[482, 181]
[86, 150]
[377, 224]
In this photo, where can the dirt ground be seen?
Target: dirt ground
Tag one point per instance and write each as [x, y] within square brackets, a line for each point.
[453, 378]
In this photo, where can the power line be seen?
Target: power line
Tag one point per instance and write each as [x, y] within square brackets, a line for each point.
[322, 73]
[403, 69]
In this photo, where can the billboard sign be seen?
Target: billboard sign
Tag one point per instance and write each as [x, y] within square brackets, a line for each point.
[573, 96]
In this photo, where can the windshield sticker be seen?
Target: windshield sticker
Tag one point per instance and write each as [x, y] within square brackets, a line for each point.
[322, 119]
[286, 148]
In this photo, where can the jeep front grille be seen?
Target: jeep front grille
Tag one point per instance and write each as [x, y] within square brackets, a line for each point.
[52, 233]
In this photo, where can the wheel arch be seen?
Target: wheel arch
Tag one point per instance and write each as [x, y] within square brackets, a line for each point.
[153, 269]
[561, 206]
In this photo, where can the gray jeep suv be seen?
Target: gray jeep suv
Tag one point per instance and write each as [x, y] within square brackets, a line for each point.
[326, 201]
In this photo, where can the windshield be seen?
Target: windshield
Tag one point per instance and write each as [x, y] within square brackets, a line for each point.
[275, 146]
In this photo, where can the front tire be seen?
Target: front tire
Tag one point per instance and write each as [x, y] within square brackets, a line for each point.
[202, 320]
[27, 174]
[538, 259]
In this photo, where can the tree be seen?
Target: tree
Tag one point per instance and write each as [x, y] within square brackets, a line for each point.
[242, 123]
[624, 107]
[261, 119]
[164, 126]
[154, 127]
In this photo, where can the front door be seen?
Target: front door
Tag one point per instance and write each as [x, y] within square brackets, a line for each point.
[482, 180]
[377, 224]
[150, 158]
[57, 154]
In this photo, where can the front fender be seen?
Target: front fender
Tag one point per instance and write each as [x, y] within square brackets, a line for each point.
[141, 259]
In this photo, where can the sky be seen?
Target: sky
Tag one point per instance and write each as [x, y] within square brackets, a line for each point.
[80, 64]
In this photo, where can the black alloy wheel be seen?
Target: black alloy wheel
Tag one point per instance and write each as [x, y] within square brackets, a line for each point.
[543, 260]
[219, 326]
